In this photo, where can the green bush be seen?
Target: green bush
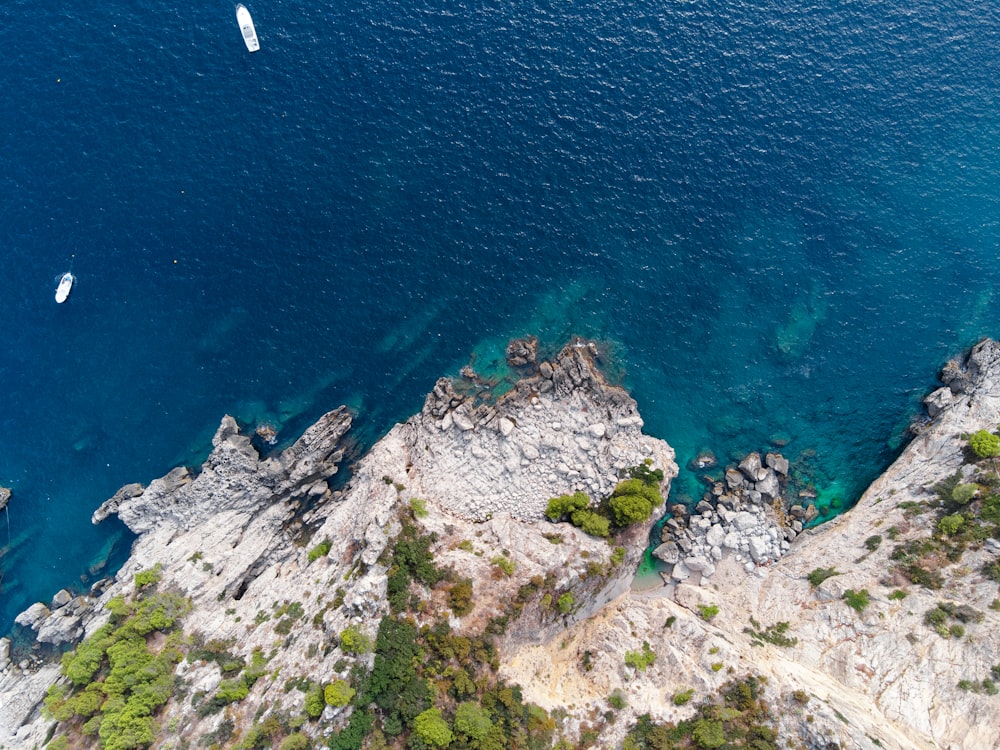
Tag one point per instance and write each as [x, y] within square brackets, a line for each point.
[338, 693]
[591, 523]
[950, 525]
[565, 602]
[419, 507]
[297, 741]
[460, 597]
[709, 734]
[617, 700]
[564, 505]
[315, 703]
[148, 577]
[320, 550]
[633, 501]
[984, 444]
[963, 493]
[353, 641]
[707, 611]
[431, 727]
[818, 575]
[639, 660]
[472, 720]
[873, 542]
[505, 564]
[857, 600]
[617, 556]
[682, 697]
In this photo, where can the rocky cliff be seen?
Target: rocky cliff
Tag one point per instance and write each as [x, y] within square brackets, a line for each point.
[275, 563]
[876, 630]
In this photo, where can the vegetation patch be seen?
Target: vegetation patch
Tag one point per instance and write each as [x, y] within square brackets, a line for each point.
[818, 575]
[773, 634]
[117, 678]
[639, 660]
[735, 717]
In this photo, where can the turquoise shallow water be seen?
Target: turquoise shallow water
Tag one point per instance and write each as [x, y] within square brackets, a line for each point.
[781, 219]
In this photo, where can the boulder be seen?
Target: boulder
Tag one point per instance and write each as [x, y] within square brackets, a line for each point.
[777, 462]
[734, 479]
[750, 466]
[33, 616]
[521, 352]
[768, 487]
[668, 552]
[744, 520]
[937, 401]
[61, 599]
[4, 653]
[60, 628]
[759, 549]
[716, 536]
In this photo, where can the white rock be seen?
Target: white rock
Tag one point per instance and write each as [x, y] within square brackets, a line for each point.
[716, 536]
[598, 429]
[506, 426]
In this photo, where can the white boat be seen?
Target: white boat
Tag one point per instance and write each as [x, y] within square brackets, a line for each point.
[65, 286]
[246, 26]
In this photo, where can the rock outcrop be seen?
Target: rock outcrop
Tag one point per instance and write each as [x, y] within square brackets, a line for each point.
[275, 562]
[881, 677]
[744, 517]
[239, 537]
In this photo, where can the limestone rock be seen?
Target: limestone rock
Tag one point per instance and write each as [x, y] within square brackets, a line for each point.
[750, 466]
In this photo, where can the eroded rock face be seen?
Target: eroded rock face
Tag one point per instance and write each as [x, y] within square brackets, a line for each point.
[229, 536]
[562, 430]
[881, 674]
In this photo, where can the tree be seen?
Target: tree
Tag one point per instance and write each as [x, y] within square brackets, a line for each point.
[633, 501]
[431, 727]
[984, 444]
[472, 720]
[338, 693]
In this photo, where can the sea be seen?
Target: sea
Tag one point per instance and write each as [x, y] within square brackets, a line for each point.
[780, 219]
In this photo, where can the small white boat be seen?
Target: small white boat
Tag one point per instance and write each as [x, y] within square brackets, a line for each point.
[246, 26]
[65, 286]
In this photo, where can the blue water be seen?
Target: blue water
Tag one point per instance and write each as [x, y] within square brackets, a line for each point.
[781, 217]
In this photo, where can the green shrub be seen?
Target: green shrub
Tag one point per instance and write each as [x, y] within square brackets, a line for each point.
[591, 523]
[818, 575]
[353, 641]
[963, 493]
[639, 660]
[633, 501]
[320, 550]
[681, 697]
[472, 720]
[338, 693]
[148, 577]
[709, 734]
[419, 507]
[505, 564]
[707, 611]
[617, 700]
[898, 595]
[950, 525]
[431, 727]
[857, 600]
[872, 543]
[315, 703]
[58, 743]
[563, 505]
[984, 444]
[460, 597]
[297, 741]
[565, 602]
[617, 556]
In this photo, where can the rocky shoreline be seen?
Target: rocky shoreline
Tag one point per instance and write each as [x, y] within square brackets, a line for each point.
[273, 561]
